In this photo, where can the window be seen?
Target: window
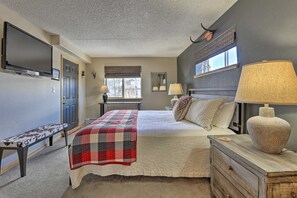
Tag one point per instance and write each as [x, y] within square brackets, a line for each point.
[224, 59]
[124, 87]
[115, 87]
[218, 55]
[123, 82]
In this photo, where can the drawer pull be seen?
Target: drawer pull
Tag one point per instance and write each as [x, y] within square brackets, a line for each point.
[293, 194]
[227, 196]
[230, 168]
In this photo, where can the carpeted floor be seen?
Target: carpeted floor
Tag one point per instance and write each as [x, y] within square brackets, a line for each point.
[47, 176]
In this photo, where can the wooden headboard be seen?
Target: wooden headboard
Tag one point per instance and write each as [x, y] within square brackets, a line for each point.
[229, 93]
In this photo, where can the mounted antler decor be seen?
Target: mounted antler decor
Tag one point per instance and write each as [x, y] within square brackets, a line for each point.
[94, 74]
[207, 35]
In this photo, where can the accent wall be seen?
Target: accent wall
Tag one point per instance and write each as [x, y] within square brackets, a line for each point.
[266, 30]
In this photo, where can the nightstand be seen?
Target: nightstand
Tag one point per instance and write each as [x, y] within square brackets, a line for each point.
[240, 170]
[168, 108]
[103, 104]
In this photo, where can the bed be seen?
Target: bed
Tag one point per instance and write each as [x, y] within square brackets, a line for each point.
[165, 147]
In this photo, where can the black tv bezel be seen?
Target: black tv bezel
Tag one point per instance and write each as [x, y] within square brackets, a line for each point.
[16, 67]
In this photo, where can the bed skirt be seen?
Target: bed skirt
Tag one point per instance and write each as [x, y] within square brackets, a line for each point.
[158, 156]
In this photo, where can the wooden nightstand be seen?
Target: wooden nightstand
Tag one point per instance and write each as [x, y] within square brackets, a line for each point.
[103, 104]
[240, 170]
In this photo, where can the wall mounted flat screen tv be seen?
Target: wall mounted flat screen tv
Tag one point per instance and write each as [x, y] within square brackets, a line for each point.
[22, 51]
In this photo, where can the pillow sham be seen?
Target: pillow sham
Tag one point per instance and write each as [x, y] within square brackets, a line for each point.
[181, 107]
[202, 112]
[224, 115]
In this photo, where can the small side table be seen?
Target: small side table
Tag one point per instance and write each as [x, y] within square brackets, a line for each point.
[168, 108]
[102, 105]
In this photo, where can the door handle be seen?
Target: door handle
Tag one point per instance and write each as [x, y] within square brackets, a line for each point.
[64, 102]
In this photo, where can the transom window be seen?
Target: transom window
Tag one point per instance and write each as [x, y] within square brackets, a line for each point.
[127, 88]
[224, 59]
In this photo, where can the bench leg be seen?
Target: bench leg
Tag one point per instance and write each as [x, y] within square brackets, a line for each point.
[51, 140]
[22, 153]
[65, 134]
[1, 153]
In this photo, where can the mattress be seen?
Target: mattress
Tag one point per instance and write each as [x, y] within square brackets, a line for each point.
[164, 148]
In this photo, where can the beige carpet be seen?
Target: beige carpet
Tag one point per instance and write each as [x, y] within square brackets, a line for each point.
[144, 187]
[47, 176]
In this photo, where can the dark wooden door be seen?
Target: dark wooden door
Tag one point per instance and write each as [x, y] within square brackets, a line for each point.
[70, 93]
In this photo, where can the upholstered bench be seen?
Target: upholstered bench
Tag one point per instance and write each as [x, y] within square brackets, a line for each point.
[22, 142]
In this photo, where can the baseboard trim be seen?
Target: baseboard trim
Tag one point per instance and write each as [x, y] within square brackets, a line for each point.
[30, 154]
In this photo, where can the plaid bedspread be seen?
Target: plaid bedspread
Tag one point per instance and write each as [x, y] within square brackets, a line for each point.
[111, 139]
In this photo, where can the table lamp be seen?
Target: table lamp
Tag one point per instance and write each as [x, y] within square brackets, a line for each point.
[175, 89]
[268, 82]
[104, 89]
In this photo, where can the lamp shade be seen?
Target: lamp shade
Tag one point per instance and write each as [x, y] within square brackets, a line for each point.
[268, 82]
[175, 89]
[103, 89]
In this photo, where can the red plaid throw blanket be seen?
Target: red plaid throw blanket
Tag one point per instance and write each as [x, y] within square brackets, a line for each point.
[111, 139]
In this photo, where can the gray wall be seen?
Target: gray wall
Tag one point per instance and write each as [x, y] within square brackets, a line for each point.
[266, 30]
[150, 100]
[26, 103]
[29, 102]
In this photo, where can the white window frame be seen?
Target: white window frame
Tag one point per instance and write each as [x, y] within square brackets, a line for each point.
[225, 67]
[123, 90]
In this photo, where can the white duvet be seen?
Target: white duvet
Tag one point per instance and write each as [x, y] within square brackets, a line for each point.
[164, 148]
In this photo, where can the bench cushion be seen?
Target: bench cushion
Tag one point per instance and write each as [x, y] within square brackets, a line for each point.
[32, 136]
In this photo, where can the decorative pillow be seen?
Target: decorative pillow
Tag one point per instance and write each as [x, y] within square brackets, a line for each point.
[224, 115]
[181, 107]
[202, 112]
[192, 112]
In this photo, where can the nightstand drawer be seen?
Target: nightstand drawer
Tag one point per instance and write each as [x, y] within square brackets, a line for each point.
[253, 173]
[237, 173]
[222, 187]
[284, 190]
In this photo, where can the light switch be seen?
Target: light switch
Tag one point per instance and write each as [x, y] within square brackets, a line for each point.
[53, 90]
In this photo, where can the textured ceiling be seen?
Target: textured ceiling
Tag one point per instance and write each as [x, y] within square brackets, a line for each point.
[123, 28]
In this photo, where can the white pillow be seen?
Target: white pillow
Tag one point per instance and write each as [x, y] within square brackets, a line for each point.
[224, 115]
[202, 112]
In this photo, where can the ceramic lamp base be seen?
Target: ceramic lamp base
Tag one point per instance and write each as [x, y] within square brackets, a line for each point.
[269, 134]
[174, 100]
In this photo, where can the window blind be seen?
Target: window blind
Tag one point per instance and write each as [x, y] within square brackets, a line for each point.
[223, 42]
[122, 71]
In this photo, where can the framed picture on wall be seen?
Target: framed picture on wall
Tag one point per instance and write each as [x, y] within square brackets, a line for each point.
[56, 74]
[159, 81]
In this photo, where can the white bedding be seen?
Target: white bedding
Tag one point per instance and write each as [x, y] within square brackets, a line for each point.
[164, 148]
[162, 123]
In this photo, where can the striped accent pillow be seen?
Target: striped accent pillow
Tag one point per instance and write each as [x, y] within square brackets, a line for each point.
[181, 107]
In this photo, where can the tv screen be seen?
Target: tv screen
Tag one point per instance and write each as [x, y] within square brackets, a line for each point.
[23, 51]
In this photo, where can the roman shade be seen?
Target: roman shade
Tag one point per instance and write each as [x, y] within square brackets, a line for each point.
[122, 71]
[223, 42]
